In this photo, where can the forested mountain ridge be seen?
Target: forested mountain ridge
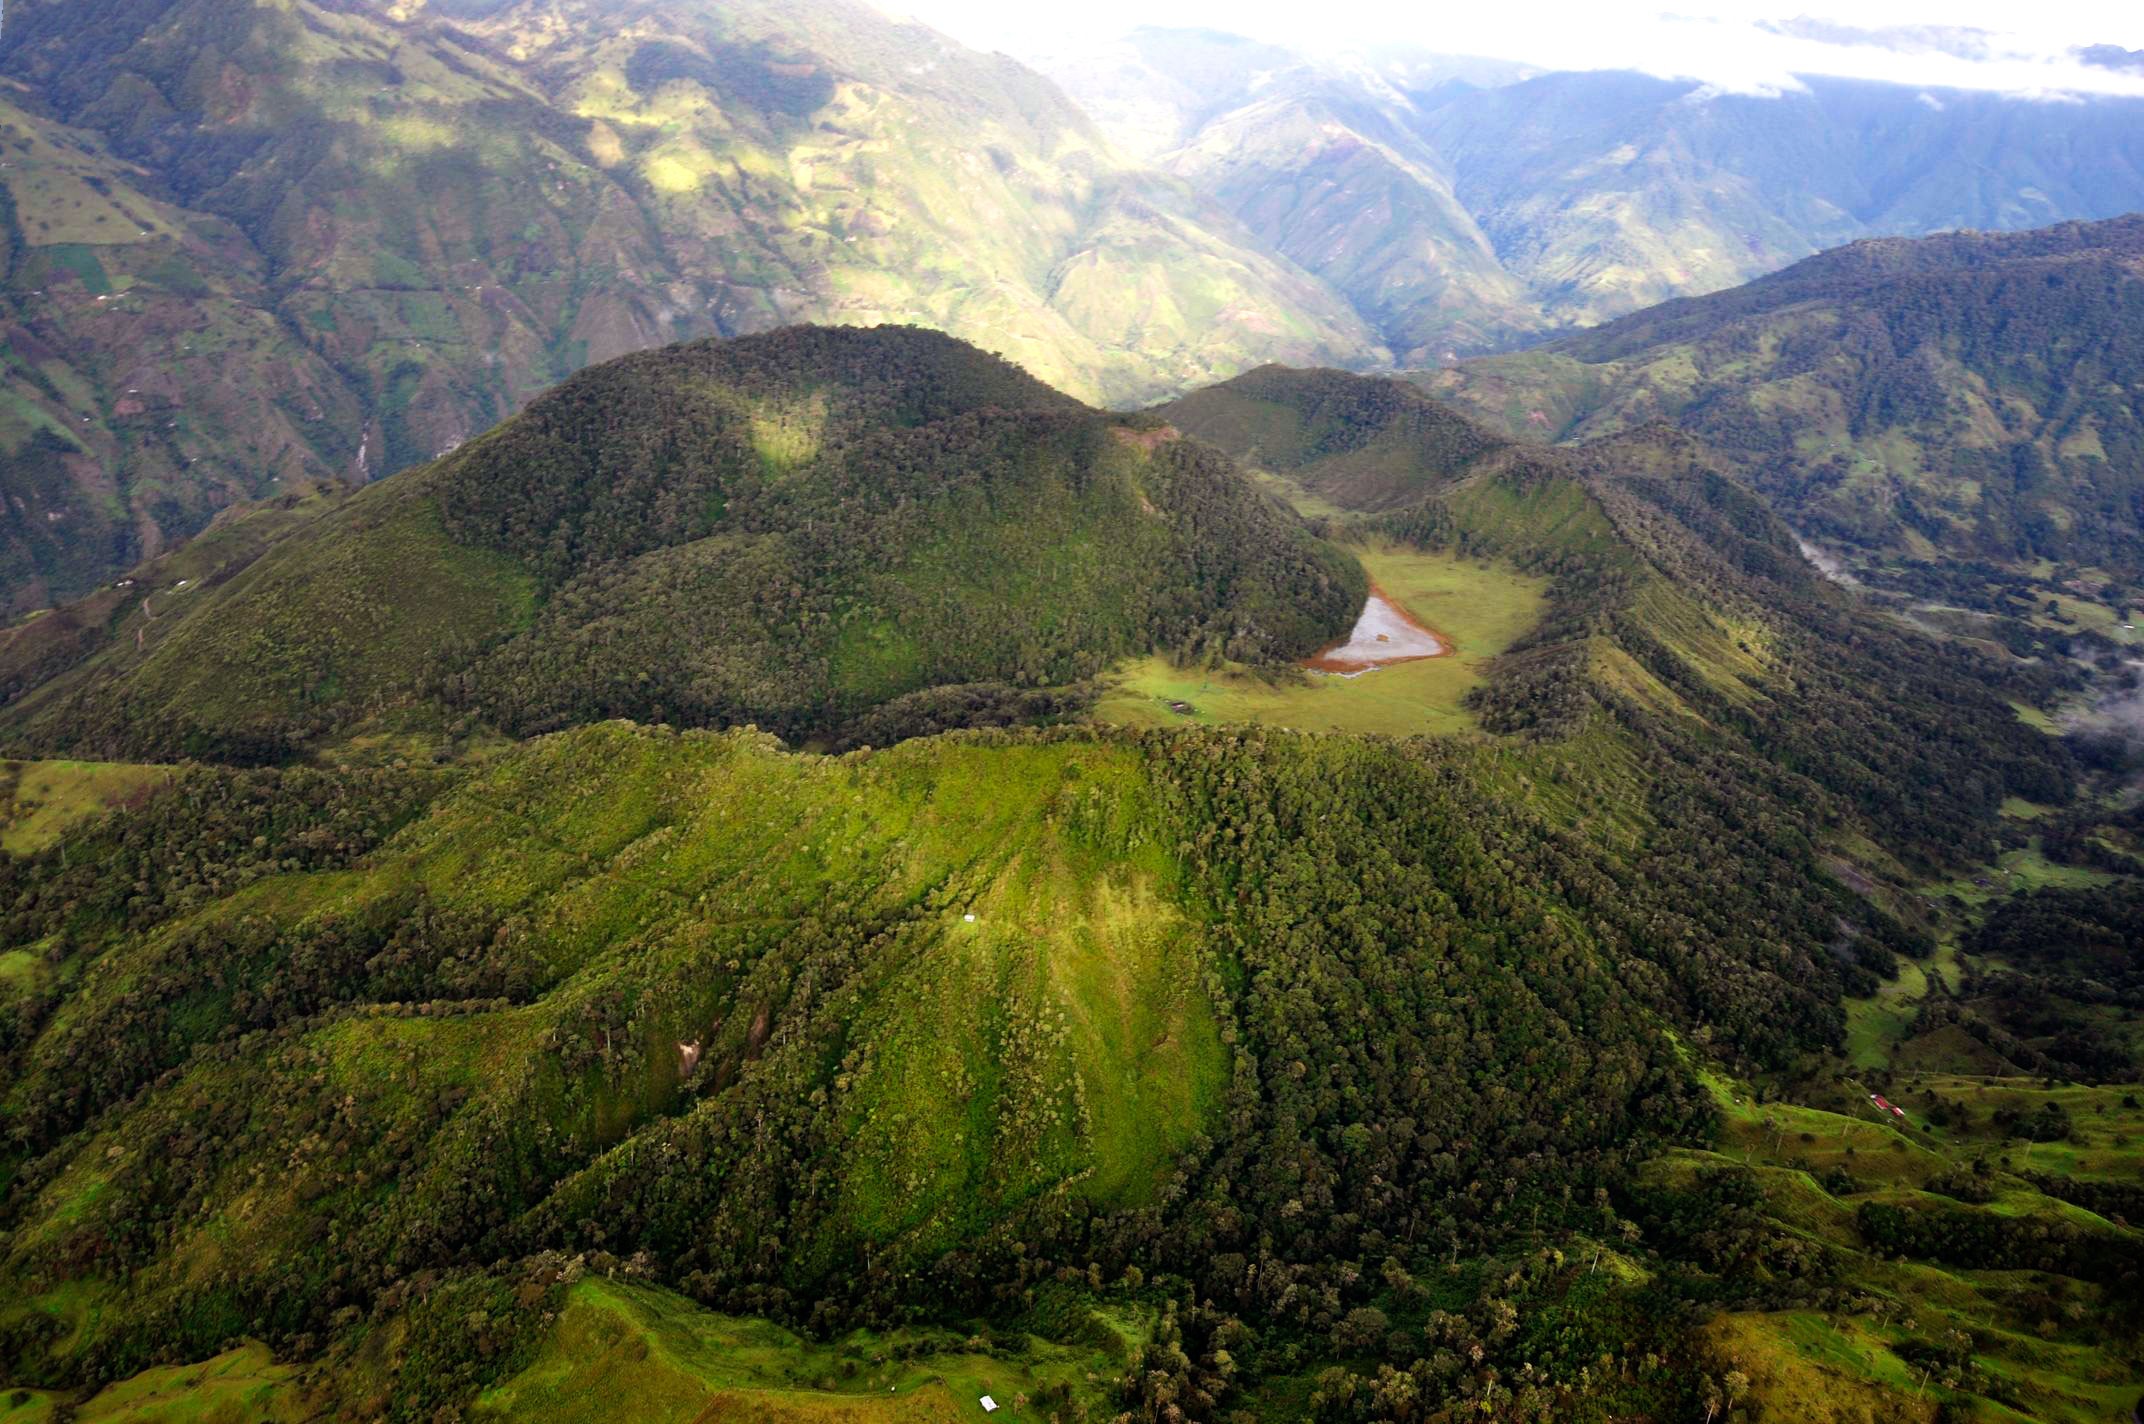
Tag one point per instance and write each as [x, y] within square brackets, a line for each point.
[795, 529]
[1930, 408]
[1678, 602]
[476, 1056]
[248, 242]
[1364, 444]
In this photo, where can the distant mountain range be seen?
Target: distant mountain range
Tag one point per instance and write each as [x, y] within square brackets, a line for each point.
[1465, 205]
[1610, 192]
[247, 246]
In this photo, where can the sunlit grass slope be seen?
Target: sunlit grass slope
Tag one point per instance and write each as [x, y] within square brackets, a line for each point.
[634, 1353]
[1015, 1015]
[40, 800]
[1937, 1316]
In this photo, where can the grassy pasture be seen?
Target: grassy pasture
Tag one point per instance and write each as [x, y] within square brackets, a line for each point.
[41, 800]
[1480, 609]
[629, 1353]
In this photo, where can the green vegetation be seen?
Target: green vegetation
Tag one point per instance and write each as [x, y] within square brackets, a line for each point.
[670, 940]
[601, 994]
[936, 521]
[477, 1069]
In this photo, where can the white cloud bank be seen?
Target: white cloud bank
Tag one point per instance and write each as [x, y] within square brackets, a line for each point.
[2015, 46]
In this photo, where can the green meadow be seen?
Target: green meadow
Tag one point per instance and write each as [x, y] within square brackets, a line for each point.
[1480, 608]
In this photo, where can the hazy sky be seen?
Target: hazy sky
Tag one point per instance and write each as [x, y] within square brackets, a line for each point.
[2019, 45]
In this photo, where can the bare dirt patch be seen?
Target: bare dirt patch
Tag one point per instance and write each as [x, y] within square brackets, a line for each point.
[1147, 440]
[1383, 635]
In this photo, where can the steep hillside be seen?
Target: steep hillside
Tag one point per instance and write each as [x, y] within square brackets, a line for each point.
[1939, 410]
[148, 378]
[1337, 183]
[847, 1041]
[1677, 605]
[342, 239]
[619, 1071]
[795, 530]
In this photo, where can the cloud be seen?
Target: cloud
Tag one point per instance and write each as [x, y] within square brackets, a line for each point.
[1955, 40]
[1748, 88]
[2107, 56]
[1741, 46]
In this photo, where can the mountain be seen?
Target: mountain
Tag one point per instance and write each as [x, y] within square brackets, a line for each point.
[1359, 444]
[1606, 193]
[1325, 164]
[249, 243]
[1468, 206]
[795, 529]
[436, 1044]
[1942, 412]
[247, 246]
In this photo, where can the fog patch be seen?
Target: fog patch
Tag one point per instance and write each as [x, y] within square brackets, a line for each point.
[1828, 564]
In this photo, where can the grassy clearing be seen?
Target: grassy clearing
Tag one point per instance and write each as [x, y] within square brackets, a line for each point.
[623, 1352]
[2025, 868]
[41, 800]
[1480, 609]
[2106, 1138]
[2017, 808]
[1877, 1028]
[1804, 1368]
[241, 1386]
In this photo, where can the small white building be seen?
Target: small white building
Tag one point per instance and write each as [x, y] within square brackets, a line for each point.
[990, 1406]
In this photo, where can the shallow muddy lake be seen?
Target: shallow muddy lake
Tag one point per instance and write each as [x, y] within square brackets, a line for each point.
[1383, 635]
